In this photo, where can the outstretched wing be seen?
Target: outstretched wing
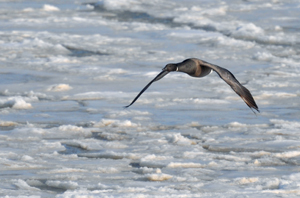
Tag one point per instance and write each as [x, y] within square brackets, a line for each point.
[229, 78]
[158, 77]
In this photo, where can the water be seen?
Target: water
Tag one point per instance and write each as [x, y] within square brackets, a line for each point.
[68, 68]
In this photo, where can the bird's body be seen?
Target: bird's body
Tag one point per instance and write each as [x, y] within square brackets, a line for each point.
[199, 68]
[192, 67]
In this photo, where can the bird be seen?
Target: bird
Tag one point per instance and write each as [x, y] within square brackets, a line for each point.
[199, 68]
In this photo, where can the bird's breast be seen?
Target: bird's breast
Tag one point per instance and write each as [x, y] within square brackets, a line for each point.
[188, 69]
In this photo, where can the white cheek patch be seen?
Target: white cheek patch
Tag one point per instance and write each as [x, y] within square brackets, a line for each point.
[177, 69]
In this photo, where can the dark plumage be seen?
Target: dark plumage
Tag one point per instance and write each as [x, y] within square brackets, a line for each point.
[199, 68]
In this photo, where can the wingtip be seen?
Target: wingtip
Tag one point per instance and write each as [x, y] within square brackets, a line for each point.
[257, 111]
[248, 99]
[254, 107]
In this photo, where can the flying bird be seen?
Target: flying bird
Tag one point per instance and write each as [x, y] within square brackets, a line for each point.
[199, 68]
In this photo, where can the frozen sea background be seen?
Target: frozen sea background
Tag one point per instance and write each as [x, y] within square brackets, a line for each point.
[69, 67]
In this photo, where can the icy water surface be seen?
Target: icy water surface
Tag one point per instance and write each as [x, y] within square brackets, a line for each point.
[69, 67]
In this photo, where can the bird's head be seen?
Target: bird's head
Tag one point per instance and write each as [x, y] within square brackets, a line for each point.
[170, 67]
